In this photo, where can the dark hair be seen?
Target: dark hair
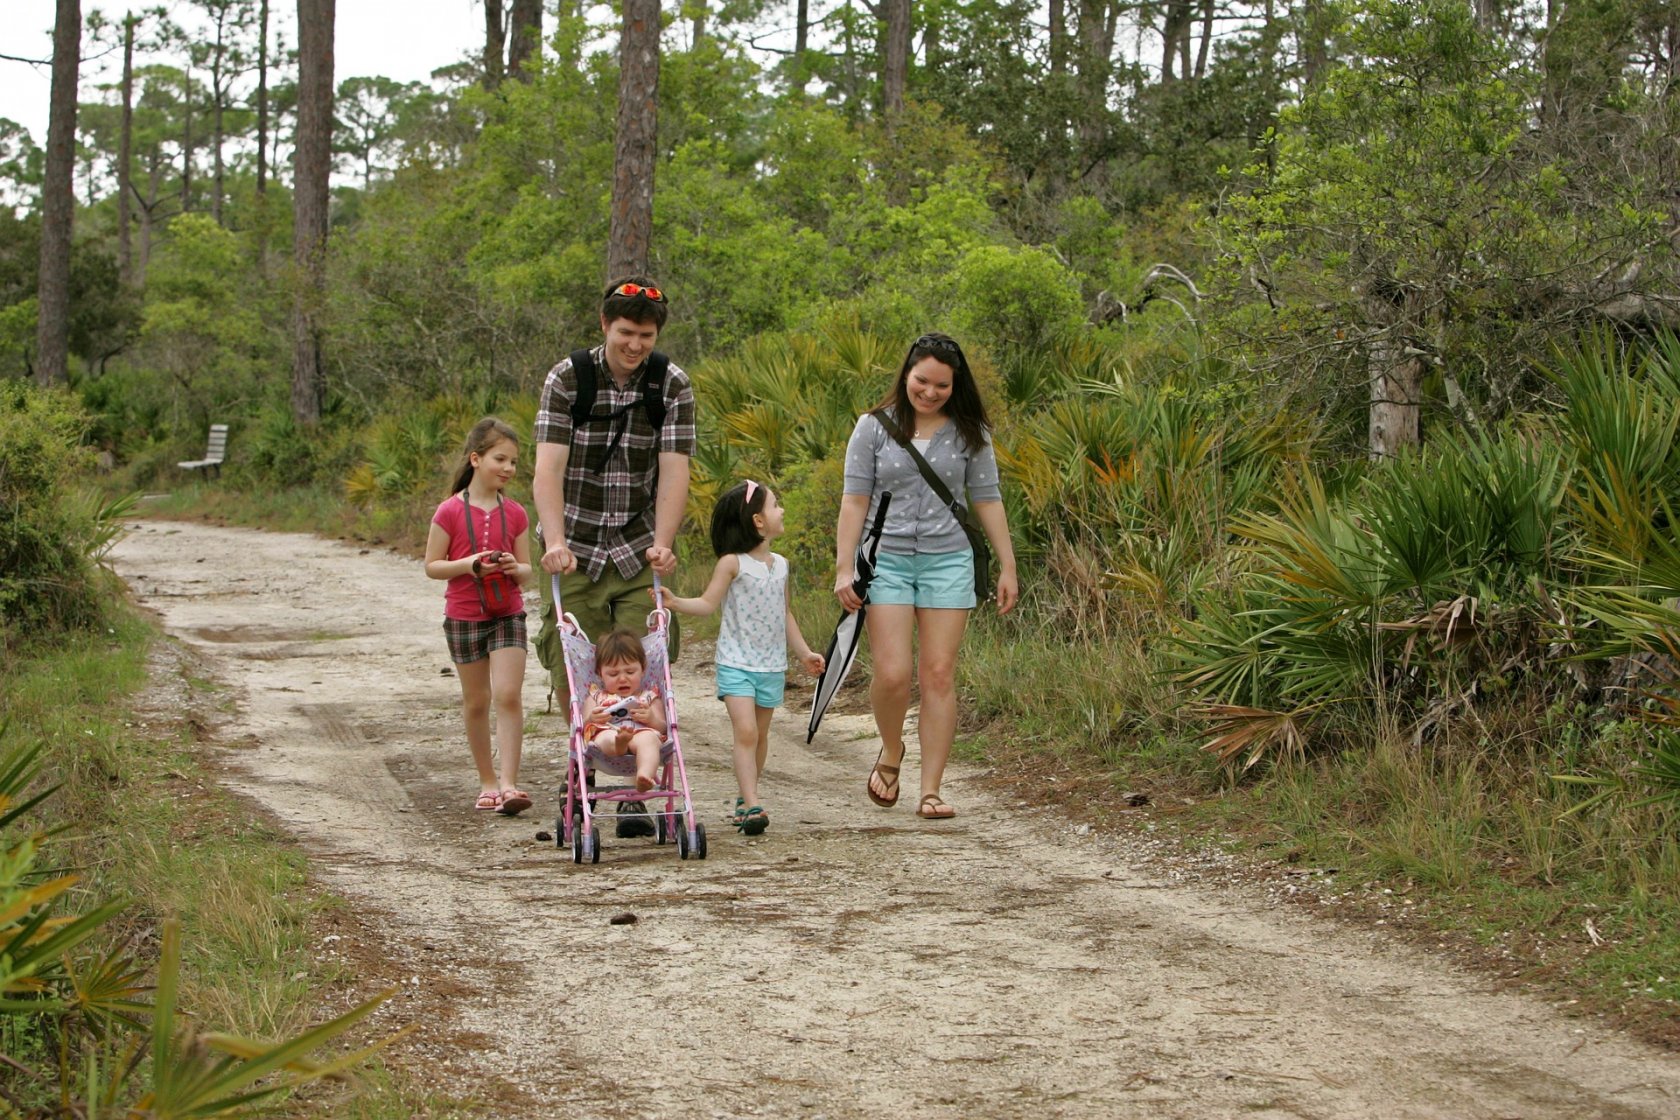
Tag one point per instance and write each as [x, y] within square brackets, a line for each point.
[963, 406]
[485, 434]
[732, 519]
[639, 308]
[617, 646]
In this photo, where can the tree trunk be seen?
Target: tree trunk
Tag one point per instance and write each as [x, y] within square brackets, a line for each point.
[1314, 55]
[524, 37]
[1487, 14]
[634, 149]
[895, 71]
[218, 100]
[495, 35]
[800, 69]
[1058, 36]
[58, 201]
[1207, 39]
[699, 24]
[148, 207]
[1175, 29]
[262, 99]
[310, 195]
[125, 157]
[1396, 376]
[186, 139]
[1095, 49]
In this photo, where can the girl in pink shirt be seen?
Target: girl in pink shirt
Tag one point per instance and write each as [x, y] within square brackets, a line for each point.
[477, 542]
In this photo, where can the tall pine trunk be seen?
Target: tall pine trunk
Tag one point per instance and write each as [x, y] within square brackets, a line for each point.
[524, 37]
[801, 42]
[186, 139]
[309, 208]
[495, 38]
[262, 99]
[58, 202]
[895, 71]
[633, 151]
[125, 159]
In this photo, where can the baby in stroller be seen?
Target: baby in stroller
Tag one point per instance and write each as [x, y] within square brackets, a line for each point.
[620, 716]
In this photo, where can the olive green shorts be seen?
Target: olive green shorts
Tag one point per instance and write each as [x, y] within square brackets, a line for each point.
[599, 606]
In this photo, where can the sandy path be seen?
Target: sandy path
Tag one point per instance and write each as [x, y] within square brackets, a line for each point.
[852, 961]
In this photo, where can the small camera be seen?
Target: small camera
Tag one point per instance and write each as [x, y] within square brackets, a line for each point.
[620, 710]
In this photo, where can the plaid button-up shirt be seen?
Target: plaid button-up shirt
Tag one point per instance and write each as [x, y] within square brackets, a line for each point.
[609, 505]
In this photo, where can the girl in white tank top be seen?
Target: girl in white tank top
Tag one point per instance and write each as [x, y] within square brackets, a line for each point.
[750, 586]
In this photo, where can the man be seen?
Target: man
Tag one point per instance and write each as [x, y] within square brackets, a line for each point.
[611, 483]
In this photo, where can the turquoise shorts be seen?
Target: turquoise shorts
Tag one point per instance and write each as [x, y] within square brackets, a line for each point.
[764, 688]
[943, 580]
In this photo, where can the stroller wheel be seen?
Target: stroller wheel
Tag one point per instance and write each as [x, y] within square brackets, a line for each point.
[679, 826]
[699, 841]
[593, 853]
[560, 832]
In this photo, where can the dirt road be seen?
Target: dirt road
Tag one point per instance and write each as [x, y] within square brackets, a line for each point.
[852, 961]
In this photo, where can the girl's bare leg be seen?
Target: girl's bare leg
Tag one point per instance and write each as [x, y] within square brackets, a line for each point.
[475, 714]
[891, 628]
[743, 724]
[645, 744]
[941, 633]
[507, 680]
[763, 715]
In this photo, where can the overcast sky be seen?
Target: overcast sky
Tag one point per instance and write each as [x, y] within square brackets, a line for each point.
[401, 39]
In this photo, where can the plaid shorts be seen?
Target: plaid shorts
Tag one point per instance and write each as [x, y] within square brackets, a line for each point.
[472, 639]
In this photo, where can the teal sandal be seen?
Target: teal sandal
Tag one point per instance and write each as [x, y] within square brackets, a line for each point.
[753, 821]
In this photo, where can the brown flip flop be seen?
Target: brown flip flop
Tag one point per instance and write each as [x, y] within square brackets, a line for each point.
[934, 808]
[889, 780]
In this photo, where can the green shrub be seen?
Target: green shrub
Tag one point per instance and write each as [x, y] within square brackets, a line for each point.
[50, 534]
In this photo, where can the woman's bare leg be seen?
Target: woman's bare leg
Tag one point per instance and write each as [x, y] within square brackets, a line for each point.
[941, 634]
[891, 629]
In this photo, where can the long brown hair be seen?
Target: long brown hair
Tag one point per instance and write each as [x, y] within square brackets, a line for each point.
[964, 406]
[485, 434]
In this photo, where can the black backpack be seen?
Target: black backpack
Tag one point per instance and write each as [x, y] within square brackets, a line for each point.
[653, 398]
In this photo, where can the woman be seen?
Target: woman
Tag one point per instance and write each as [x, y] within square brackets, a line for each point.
[924, 572]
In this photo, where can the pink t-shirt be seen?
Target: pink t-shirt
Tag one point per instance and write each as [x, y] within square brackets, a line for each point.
[460, 600]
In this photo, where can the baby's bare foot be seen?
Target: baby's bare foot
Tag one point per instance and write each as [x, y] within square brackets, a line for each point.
[624, 736]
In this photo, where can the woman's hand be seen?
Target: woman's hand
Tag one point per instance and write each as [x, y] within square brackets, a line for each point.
[843, 591]
[1008, 592]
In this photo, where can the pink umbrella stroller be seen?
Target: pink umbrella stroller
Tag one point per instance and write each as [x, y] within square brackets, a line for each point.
[675, 822]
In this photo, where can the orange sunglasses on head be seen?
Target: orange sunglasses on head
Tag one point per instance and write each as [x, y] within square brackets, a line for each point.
[654, 294]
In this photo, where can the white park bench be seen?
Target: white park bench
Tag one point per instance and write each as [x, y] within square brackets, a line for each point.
[211, 464]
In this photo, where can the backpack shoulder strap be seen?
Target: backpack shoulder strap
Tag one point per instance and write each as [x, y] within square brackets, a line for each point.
[653, 389]
[583, 368]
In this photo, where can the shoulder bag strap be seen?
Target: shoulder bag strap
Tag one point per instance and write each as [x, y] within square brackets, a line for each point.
[931, 476]
[472, 543]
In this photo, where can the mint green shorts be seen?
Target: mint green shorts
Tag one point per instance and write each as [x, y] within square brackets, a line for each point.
[942, 580]
[764, 688]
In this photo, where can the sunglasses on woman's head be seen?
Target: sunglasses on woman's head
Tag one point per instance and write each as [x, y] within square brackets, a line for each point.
[654, 294]
[934, 342]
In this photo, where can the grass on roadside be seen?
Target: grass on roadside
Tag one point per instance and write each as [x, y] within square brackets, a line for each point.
[145, 823]
[1468, 839]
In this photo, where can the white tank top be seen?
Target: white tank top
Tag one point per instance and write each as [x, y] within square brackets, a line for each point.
[753, 634]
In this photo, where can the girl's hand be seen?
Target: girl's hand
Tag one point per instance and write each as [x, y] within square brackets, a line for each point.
[814, 662]
[849, 598]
